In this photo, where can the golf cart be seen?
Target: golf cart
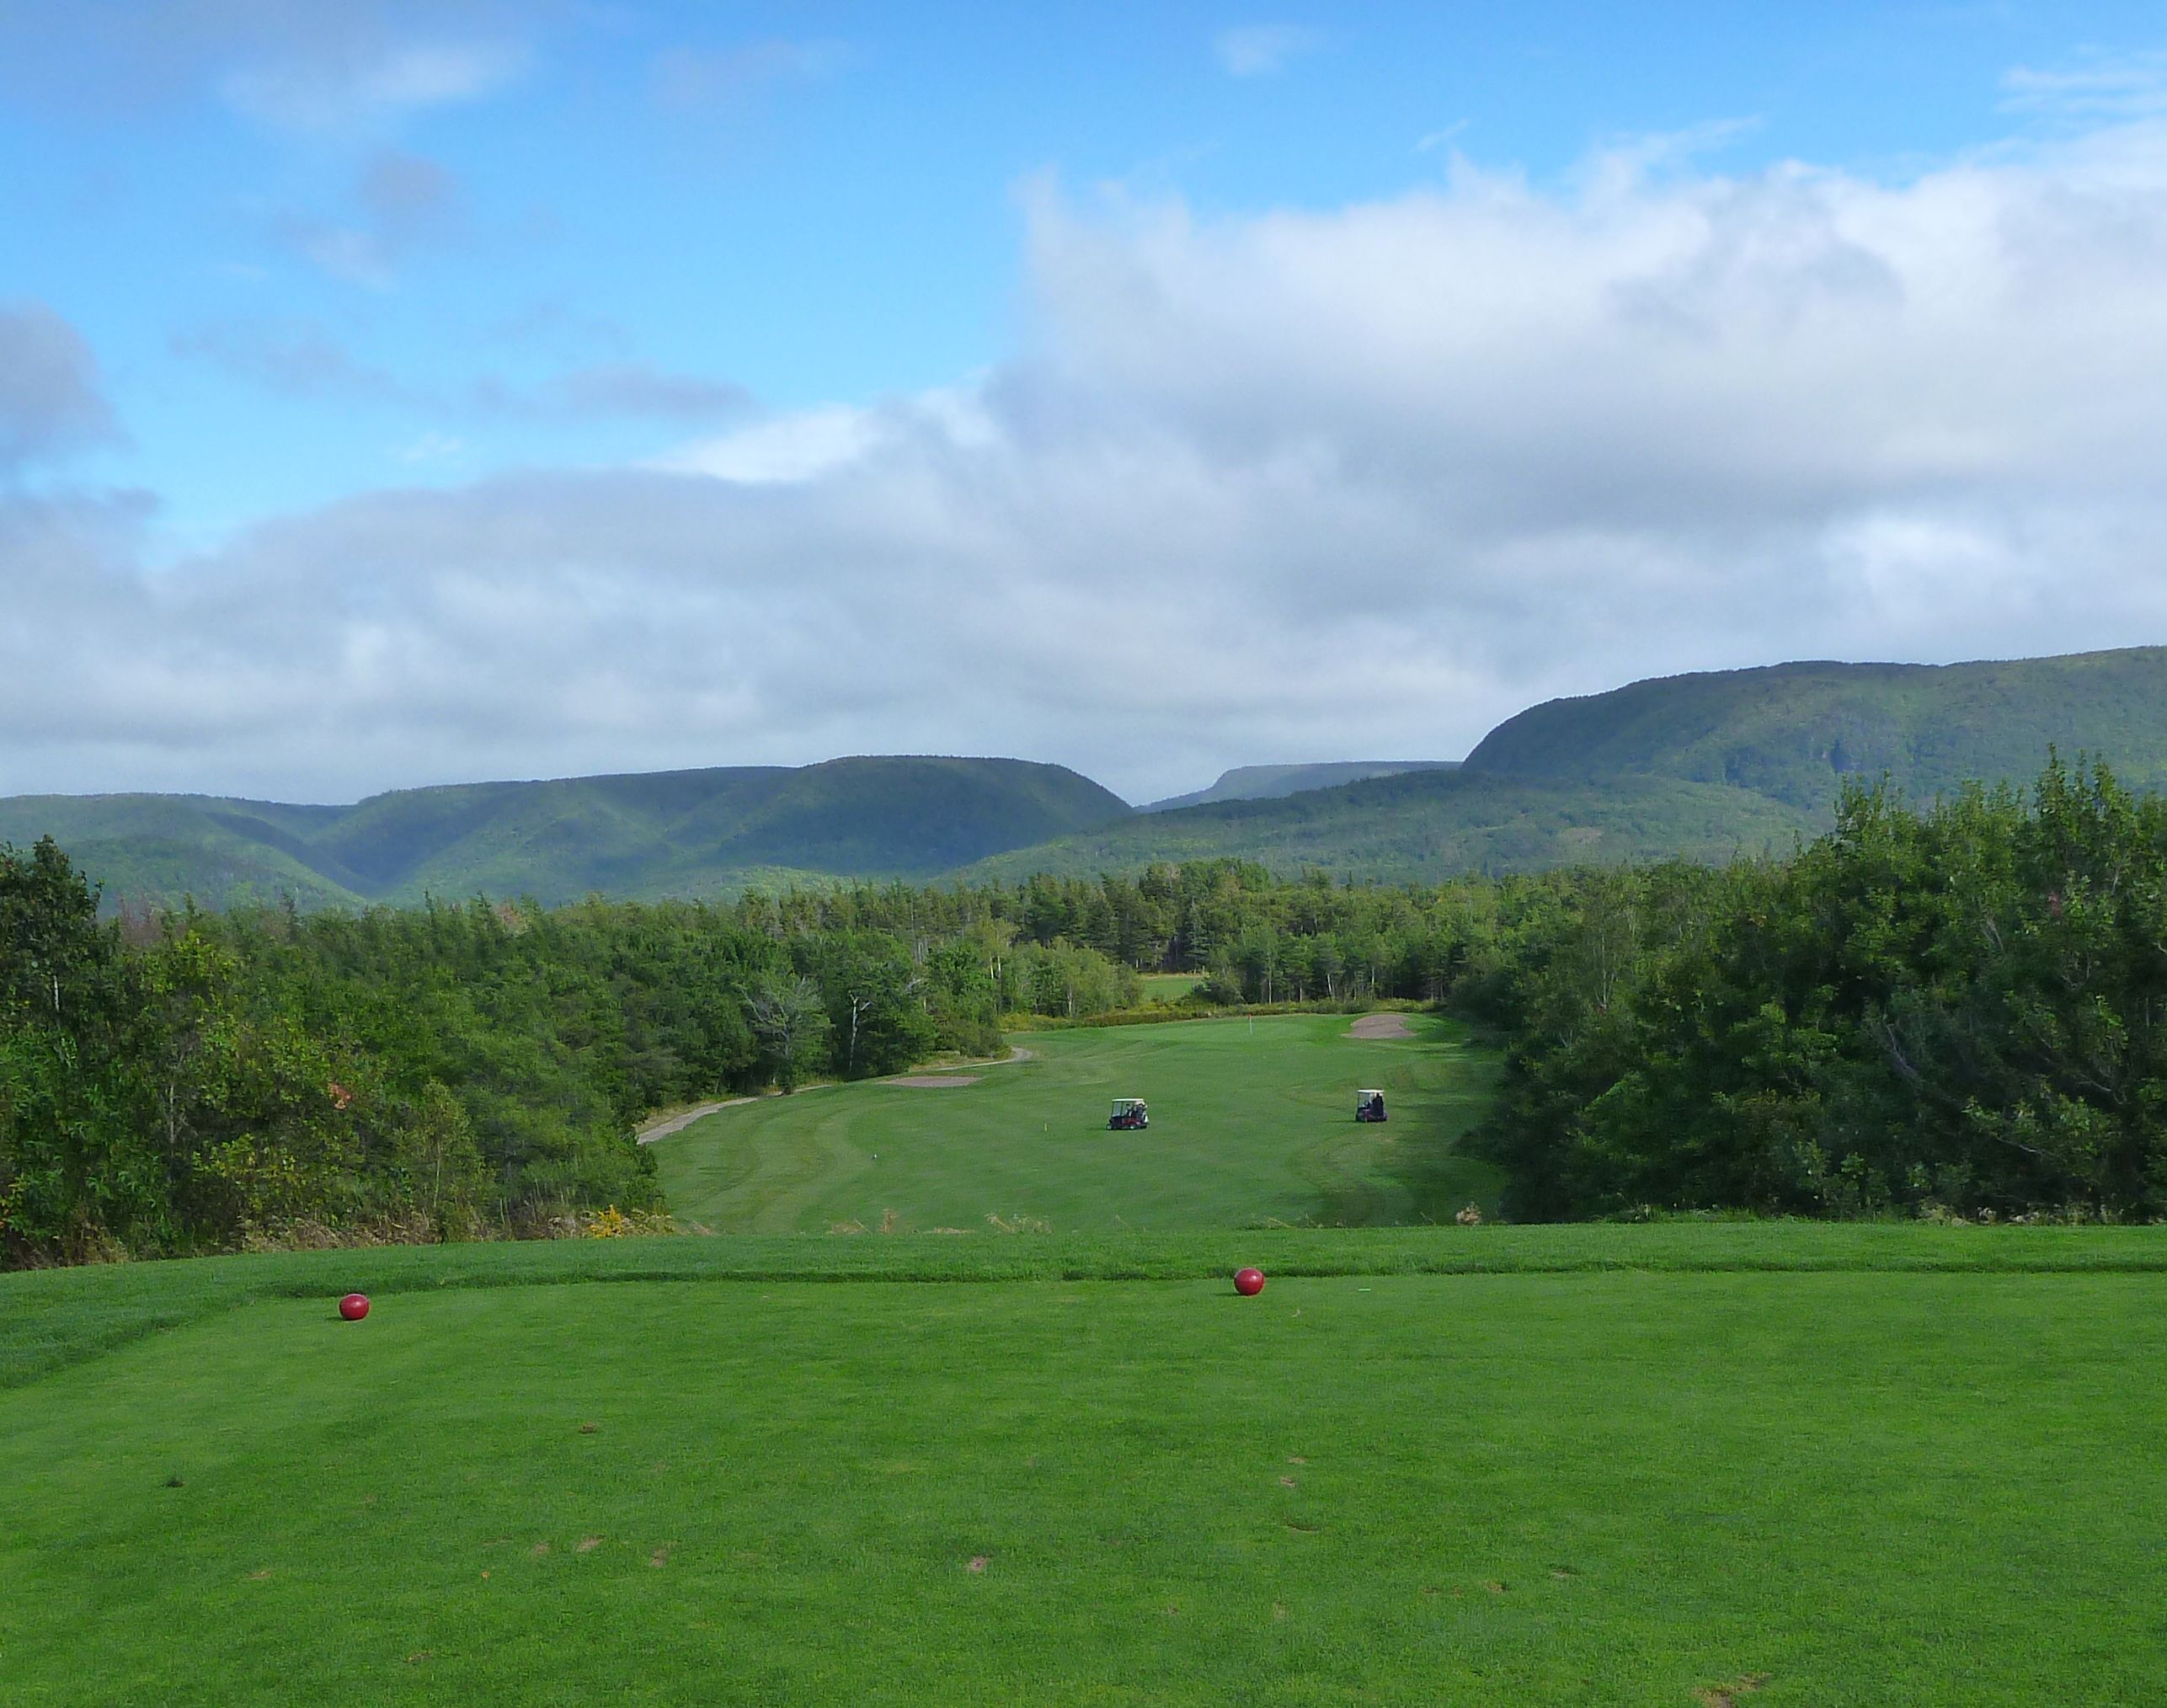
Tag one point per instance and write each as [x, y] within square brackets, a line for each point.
[1129, 1115]
[1368, 1106]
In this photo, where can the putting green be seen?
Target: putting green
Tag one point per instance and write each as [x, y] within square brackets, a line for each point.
[1602, 1487]
[1251, 1122]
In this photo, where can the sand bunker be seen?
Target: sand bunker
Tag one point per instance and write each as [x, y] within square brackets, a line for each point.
[1381, 1026]
[934, 1082]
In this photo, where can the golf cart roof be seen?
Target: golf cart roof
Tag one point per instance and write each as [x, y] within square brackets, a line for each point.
[1126, 1102]
[1368, 1092]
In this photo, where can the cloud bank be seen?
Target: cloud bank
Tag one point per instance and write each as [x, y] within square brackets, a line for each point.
[1298, 486]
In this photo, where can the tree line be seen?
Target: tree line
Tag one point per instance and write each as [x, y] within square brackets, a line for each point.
[1958, 1011]
[187, 1080]
[1950, 1010]
[194, 1082]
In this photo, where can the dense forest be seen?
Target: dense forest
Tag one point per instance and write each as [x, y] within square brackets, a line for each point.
[1956, 1011]
[193, 1080]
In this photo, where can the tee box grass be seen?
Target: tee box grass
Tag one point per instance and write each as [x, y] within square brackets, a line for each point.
[1918, 1481]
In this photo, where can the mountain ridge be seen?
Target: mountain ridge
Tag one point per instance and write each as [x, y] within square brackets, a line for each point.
[642, 835]
[1795, 731]
[1704, 767]
[1263, 783]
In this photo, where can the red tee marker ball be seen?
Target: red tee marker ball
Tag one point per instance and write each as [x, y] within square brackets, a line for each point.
[355, 1306]
[1248, 1283]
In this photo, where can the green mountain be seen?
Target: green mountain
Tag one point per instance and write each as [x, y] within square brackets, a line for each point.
[1423, 826]
[1702, 766]
[1272, 782]
[670, 833]
[1794, 732]
[1698, 766]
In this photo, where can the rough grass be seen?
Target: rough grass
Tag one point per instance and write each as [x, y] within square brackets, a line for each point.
[1687, 1458]
[1251, 1122]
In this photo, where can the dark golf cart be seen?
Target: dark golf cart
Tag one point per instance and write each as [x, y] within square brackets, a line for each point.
[1129, 1115]
[1368, 1106]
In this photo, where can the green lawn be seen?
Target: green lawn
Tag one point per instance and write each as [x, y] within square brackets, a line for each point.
[1251, 1122]
[1860, 1465]
[1684, 1464]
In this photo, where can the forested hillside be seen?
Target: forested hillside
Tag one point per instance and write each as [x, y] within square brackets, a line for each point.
[670, 833]
[1698, 768]
[1796, 732]
[1701, 768]
[1426, 825]
[1272, 782]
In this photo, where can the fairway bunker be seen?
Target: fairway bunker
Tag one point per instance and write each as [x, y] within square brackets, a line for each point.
[1376, 1025]
[935, 1082]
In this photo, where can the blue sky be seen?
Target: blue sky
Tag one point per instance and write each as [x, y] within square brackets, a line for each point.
[307, 264]
[818, 203]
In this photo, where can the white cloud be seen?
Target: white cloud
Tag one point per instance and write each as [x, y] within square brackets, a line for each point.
[370, 80]
[787, 449]
[1312, 484]
[1262, 50]
[1430, 141]
[2095, 86]
[432, 446]
[311, 66]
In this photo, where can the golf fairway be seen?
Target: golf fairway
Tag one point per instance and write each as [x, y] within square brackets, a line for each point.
[1252, 1122]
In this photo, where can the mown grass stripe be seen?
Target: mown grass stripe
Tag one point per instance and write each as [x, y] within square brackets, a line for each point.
[51, 1318]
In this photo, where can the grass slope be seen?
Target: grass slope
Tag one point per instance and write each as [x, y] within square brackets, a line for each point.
[1830, 1486]
[676, 833]
[1793, 731]
[1251, 1121]
[1271, 782]
[1428, 826]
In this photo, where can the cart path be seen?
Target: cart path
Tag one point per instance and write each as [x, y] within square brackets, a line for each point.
[699, 1112]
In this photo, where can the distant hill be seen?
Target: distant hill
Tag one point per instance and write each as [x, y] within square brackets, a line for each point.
[1794, 732]
[1699, 766]
[1423, 826]
[1696, 767]
[1271, 782]
[669, 833]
